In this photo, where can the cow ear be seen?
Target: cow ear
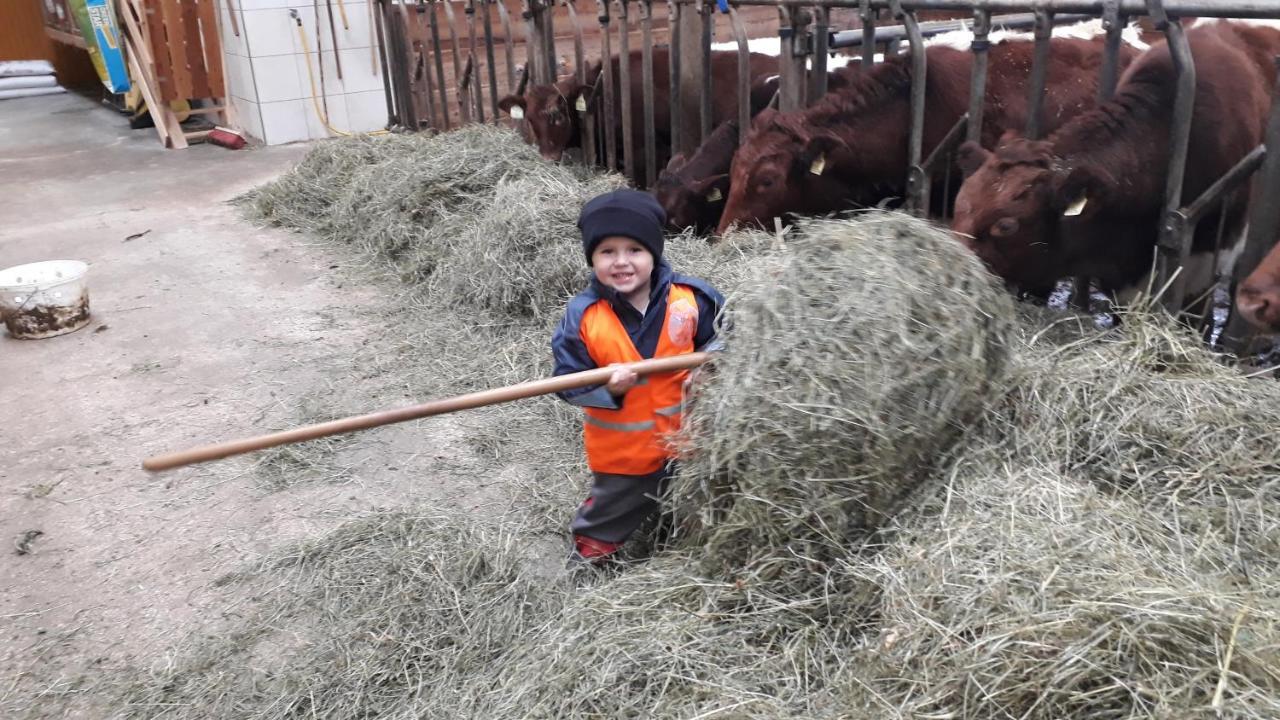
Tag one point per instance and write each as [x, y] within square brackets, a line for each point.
[713, 189]
[513, 105]
[763, 118]
[813, 159]
[1075, 192]
[970, 156]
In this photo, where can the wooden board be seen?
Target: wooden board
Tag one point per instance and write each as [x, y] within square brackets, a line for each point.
[212, 45]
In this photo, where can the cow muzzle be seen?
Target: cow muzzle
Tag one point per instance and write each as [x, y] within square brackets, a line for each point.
[1260, 307]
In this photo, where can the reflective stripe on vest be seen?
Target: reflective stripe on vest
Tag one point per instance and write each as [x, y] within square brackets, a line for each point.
[632, 439]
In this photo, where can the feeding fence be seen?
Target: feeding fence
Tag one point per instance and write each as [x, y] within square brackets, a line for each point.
[449, 63]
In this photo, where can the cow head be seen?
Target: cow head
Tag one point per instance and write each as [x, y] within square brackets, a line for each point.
[782, 167]
[550, 113]
[1018, 207]
[1258, 297]
[694, 203]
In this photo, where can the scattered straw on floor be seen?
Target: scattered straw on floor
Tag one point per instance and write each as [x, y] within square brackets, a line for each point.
[1089, 526]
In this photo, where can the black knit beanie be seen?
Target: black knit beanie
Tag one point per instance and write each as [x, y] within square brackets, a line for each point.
[625, 212]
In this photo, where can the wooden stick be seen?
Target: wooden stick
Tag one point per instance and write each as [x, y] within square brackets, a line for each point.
[597, 376]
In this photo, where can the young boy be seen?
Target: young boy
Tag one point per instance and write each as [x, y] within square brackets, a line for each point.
[635, 308]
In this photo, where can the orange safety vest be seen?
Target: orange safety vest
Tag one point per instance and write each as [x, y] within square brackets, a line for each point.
[631, 440]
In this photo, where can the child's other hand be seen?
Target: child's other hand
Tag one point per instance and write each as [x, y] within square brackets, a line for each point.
[622, 380]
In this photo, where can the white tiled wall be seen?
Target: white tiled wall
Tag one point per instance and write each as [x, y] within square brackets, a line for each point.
[273, 78]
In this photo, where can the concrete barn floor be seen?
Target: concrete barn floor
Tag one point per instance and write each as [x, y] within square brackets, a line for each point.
[204, 328]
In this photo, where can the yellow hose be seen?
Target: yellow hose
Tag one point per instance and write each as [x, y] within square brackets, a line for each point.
[306, 54]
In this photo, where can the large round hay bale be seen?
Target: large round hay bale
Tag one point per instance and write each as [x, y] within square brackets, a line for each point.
[855, 358]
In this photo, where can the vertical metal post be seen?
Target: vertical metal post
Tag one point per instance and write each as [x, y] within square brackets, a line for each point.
[547, 17]
[1264, 222]
[477, 85]
[439, 53]
[408, 113]
[646, 79]
[532, 43]
[423, 65]
[1172, 251]
[1113, 22]
[379, 19]
[1039, 73]
[579, 57]
[489, 57]
[981, 48]
[917, 189]
[791, 58]
[673, 74]
[744, 74]
[606, 72]
[868, 34]
[451, 21]
[508, 44]
[624, 88]
[821, 27]
[707, 22]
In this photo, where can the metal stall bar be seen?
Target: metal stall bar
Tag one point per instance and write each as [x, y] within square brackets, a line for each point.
[408, 110]
[464, 88]
[868, 34]
[706, 23]
[917, 192]
[943, 151]
[1039, 73]
[624, 87]
[439, 57]
[744, 74]
[791, 58]
[583, 106]
[646, 78]
[1243, 9]
[980, 48]
[890, 33]
[1113, 22]
[508, 43]
[489, 56]
[478, 94]
[546, 17]
[1264, 224]
[606, 71]
[673, 71]
[532, 40]
[579, 56]
[821, 34]
[1185, 220]
[378, 20]
[422, 67]
[1172, 251]
[451, 21]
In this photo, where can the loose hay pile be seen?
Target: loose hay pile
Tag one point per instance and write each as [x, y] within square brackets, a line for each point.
[1089, 528]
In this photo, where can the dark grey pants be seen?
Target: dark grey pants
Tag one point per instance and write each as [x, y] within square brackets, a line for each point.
[618, 504]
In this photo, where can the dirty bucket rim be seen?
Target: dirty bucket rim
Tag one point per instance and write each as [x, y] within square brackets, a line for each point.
[77, 269]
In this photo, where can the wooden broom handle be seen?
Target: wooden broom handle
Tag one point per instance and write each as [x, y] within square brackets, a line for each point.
[597, 376]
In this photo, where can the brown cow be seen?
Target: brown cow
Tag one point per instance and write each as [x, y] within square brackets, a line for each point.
[693, 190]
[1088, 200]
[851, 147]
[1258, 297]
[556, 126]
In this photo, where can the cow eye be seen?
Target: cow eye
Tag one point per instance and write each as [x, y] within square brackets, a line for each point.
[766, 182]
[1004, 227]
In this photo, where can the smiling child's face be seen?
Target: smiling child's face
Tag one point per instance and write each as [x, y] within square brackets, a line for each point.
[624, 265]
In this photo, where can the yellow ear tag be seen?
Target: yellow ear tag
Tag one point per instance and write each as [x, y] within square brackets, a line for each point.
[581, 104]
[516, 112]
[819, 164]
[1076, 207]
[714, 195]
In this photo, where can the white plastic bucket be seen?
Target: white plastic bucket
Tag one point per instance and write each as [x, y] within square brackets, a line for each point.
[44, 299]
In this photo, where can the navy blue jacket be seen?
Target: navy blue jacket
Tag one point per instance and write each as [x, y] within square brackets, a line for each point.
[571, 353]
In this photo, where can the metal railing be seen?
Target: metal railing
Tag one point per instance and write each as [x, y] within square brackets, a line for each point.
[414, 47]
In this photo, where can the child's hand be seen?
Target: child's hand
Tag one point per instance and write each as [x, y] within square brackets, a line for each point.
[622, 380]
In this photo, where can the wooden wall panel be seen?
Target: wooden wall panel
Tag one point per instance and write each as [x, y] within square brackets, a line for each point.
[22, 37]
